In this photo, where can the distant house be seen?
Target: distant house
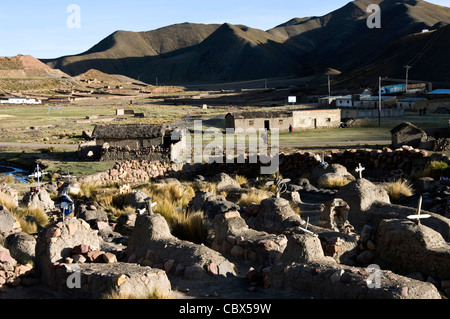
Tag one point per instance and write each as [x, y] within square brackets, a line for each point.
[19, 100]
[408, 134]
[282, 120]
[439, 94]
[408, 103]
[328, 101]
[133, 142]
[133, 136]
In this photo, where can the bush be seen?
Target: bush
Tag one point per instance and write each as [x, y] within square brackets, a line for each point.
[333, 182]
[437, 169]
[399, 189]
[253, 197]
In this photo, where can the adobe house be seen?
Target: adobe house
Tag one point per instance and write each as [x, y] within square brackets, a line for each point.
[299, 119]
[151, 142]
[133, 136]
[259, 119]
[408, 134]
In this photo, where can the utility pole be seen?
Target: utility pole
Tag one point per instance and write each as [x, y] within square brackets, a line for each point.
[329, 86]
[379, 101]
[407, 73]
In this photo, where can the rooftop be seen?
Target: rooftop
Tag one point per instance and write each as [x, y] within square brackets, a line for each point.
[130, 131]
[440, 91]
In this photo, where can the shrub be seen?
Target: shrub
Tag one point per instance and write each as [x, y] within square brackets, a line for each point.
[6, 200]
[397, 190]
[437, 169]
[39, 215]
[333, 182]
[155, 294]
[253, 197]
[242, 180]
[192, 227]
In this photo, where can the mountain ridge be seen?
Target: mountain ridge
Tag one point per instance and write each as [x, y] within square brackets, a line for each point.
[192, 52]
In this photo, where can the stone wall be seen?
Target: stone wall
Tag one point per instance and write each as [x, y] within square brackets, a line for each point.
[378, 163]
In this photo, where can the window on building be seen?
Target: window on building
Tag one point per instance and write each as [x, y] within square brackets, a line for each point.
[251, 122]
[328, 119]
[280, 122]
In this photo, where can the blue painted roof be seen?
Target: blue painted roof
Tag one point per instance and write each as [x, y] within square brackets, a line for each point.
[412, 99]
[440, 91]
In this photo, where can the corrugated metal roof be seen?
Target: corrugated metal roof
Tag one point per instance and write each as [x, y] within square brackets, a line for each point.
[412, 99]
[440, 91]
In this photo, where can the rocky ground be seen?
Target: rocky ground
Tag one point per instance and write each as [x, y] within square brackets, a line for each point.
[261, 251]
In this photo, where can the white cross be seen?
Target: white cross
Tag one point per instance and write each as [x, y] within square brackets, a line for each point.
[68, 176]
[419, 216]
[38, 174]
[359, 170]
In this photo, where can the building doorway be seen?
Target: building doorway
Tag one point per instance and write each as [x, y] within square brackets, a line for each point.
[267, 125]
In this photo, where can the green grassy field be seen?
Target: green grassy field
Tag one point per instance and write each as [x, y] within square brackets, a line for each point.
[65, 128]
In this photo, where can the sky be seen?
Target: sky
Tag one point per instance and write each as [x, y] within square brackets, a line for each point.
[54, 28]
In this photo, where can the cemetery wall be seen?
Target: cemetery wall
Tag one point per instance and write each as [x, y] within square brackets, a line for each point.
[378, 163]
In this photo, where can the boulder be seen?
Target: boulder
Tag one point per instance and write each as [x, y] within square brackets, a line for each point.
[8, 223]
[135, 199]
[211, 205]
[408, 247]
[360, 195]
[225, 182]
[120, 280]
[233, 237]
[92, 213]
[276, 216]
[336, 170]
[125, 224]
[303, 248]
[71, 188]
[55, 243]
[39, 199]
[21, 246]
[153, 245]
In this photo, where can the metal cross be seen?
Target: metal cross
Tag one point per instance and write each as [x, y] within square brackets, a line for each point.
[38, 173]
[419, 216]
[68, 176]
[359, 170]
[280, 184]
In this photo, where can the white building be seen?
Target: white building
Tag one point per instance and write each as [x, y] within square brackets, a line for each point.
[19, 100]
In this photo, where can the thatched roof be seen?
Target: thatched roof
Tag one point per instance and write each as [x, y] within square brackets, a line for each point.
[130, 131]
[406, 126]
[260, 114]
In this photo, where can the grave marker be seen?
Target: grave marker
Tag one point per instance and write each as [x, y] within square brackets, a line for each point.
[419, 216]
[280, 184]
[359, 170]
[38, 173]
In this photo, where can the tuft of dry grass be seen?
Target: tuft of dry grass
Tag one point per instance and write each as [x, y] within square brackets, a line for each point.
[5, 200]
[397, 190]
[242, 180]
[333, 182]
[8, 179]
[117, 295]
[191, 226]
[253, 197]
[39, 215]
